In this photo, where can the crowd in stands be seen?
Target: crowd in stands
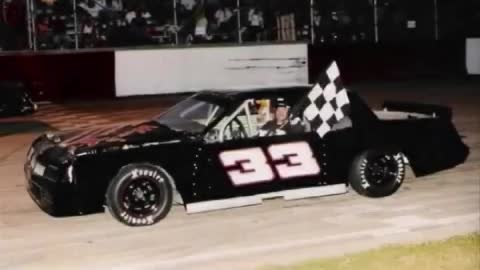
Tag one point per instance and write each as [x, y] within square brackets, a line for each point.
[12, 25]
[112, 23]
[68, 24]
[93, 23]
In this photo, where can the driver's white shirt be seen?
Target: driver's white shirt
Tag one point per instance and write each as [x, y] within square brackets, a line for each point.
[277, 132]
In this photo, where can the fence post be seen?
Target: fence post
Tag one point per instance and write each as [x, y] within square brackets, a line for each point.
[312, 25]
[175, 21]
[29, 24]
[239, 23]
[32, 21]
[435, 16]
[75, 22]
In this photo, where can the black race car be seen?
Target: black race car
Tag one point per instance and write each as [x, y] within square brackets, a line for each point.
[14, 99]
[206, 153]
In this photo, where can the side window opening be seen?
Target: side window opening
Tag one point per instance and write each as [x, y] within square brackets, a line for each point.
[239, 125]
[254, 116]
[276, 114]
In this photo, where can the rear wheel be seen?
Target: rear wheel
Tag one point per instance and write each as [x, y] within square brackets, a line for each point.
[377, 173]
[140, 195]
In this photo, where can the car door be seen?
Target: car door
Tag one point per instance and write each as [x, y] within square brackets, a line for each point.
[249, 165]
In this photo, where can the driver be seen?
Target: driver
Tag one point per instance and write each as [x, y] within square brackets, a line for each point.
[281, 124]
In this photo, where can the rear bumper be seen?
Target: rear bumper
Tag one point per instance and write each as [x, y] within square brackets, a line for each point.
[56, 199]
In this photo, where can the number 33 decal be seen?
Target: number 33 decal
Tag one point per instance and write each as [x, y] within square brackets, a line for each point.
[250, 166]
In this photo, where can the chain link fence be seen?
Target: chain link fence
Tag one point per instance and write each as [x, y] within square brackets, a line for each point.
[80, 24]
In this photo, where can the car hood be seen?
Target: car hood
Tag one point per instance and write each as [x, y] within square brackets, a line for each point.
[102, 137]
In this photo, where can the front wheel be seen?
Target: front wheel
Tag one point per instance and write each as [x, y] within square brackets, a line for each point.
[377, 173]
[140, 195]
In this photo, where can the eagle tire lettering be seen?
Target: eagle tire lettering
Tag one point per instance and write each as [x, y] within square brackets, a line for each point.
[140, 194]
[377, 173]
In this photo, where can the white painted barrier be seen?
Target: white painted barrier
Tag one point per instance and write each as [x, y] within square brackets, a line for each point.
[473, 56]
[161, 71]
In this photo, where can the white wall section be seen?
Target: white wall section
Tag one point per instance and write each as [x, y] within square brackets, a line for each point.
[473, 56]
[160, 71]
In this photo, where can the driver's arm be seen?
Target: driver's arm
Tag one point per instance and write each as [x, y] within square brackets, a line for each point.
[296, 127]
[266, 129]
[262, 133]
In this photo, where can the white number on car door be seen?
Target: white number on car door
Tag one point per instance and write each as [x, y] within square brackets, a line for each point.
[294, 159]
[251, 166]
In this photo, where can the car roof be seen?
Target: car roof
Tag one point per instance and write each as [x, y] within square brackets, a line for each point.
[237, 94]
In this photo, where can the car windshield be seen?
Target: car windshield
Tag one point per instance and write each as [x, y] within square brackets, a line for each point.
[191, 115]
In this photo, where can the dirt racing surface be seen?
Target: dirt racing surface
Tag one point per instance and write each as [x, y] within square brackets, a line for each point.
[277, 232]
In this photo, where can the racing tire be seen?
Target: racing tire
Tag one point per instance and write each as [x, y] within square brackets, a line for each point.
[140, 195]
[377, 173]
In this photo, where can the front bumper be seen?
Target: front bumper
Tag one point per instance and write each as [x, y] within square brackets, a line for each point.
[53, 196]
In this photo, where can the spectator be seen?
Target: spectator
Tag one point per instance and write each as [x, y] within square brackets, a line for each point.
[14, 19]
[185, 9]
[145, 14]
[8, 38]
[91, 7]
[170, 31]
[59, 29]
[103, 26]
[88, 34]
[139, 22]
[120, 20]
[43, 32]
[223, 16]
[138, 29]
[130, 15]
[201, 25]
[188, 4]
[142, 12]
[317, 26]
[186, 20]
[255, 24]
[119, 34]
[114, 5]
[43, 25]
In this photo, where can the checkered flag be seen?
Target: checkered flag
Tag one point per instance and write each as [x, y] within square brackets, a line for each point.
[327, 103]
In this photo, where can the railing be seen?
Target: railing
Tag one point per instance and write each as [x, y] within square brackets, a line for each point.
[79, 24]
